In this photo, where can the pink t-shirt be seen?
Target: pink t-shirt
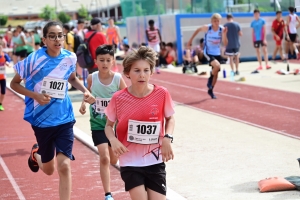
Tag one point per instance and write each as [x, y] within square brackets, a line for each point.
[152, 108]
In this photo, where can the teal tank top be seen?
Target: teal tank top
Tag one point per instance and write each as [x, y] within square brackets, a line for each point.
[103, 94]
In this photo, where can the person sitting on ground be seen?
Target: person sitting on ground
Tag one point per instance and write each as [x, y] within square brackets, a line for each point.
[200, 53]
[163, 50]
[190, 60]
[171, 57]
[126, 49]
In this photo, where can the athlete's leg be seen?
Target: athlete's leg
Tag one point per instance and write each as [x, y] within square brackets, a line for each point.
[104, 166]
[215, 71]
[231, 62]
[258, 56]
[152, 195]
[48, 167]
[265, 50]
[138, 193]
[237, 62]
[65, 179]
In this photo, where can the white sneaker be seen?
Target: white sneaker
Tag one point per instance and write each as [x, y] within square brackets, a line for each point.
[109, 197]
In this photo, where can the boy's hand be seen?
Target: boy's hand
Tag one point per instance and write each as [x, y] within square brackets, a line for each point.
[88, 98]
[82, 109]
[166, 150]
[42, 99]
[117, 147]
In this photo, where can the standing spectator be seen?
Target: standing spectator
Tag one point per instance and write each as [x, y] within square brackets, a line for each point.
[69, 43]
[80, 31]
[153, 36]
[233, 47]
[258, 26]
[278, 27]
[97, 40]
[20, 43]
[113, 34]
[292, 30]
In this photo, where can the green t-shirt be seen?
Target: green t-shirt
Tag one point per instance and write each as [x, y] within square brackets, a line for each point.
[103, 94]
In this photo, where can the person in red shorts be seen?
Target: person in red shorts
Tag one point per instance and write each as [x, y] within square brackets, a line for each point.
[145, 123]
[278, 28]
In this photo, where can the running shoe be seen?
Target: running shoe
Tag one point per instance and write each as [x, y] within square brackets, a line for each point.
[211, 94]
[1, 108]
[32, 163]
[237, 73]
[296, 71]
[260, 68]
[109, 197]
[268, 67]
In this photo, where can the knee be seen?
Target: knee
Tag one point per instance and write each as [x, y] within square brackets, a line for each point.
[49, 170]
[113, 160]
[104, 160]
[64, 168]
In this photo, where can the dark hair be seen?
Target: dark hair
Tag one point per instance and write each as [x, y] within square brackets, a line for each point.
[48, 25]
[80, 21]
[151, 22]
[169, 44]
[278, 12]
[162, 44]
[292, 9]
[201, 40]
[105, 49]
[20, 27]
[229, 16]
[143, 44]
[256, 11]
[67, 27]
[126, 45]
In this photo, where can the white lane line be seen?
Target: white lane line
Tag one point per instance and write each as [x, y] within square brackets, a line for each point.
[11, 180]
[241, 121]
[88, 141]
[228, 95]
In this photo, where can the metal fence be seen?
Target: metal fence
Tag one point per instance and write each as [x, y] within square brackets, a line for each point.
[159, 7]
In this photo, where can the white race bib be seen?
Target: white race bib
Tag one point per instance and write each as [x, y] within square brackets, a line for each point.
[2, 69]
[56, 88]
[143, 132]
[101, 104]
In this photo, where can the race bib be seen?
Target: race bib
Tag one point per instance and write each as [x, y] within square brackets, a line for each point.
[101, 104]
[143, 132]
[56, 88]
[2, 69]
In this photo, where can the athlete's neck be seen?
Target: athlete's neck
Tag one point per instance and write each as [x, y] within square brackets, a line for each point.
[215, 28]
[53, 53]
[105, 75]
[140, 91]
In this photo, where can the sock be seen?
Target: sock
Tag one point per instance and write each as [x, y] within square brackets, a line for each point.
[296, 51]
[108, 193]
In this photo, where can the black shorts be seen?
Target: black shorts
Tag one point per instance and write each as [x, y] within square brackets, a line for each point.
[232, 52]
[211, 58]
[258, 43]
[152, 177]
[56, 138]
[293, 37]
[22, 53]
[99, 137]
[3, 86]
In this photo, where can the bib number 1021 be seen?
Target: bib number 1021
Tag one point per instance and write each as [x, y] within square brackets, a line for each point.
[103, 103]
[56, 85]
[149, 129]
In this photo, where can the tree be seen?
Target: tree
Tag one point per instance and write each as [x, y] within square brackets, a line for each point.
[83, 12]
[63, 17]
[48, 13]
[3, 20]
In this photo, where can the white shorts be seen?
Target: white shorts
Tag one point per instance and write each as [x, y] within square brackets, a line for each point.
[155, 47]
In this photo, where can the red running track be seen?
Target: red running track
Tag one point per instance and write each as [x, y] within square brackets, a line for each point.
[270, 109]
[16, 140]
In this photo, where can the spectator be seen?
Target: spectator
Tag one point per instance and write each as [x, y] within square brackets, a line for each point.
[69, 42]
[171, 57]
[97, 40]
[80, 31]
[190, 60]
[113, 34]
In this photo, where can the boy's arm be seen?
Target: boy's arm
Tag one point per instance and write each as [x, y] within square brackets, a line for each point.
[224, 36]
[42, 99]
[265, 35]
[159, 35]
[166, 151]
[122, 84]
[202, 28]
[147, 36]
[82, 108]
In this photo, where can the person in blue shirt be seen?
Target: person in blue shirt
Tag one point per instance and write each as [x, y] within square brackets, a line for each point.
[49, 110]
[259, 35]
[215, 34]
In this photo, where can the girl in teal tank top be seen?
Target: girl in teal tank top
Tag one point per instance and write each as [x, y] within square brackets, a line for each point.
[29, 42]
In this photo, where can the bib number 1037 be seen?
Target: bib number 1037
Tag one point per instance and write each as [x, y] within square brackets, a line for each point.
[143, 132]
